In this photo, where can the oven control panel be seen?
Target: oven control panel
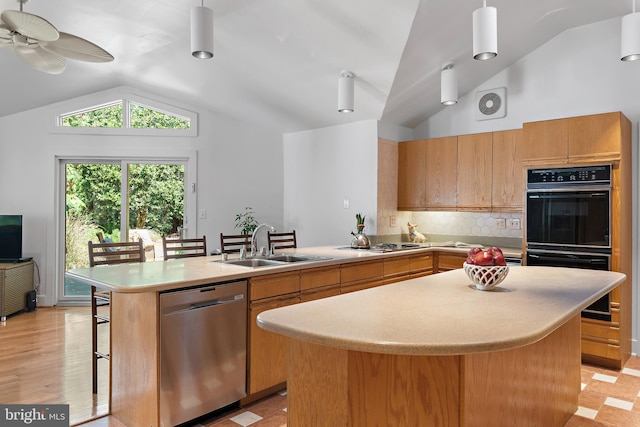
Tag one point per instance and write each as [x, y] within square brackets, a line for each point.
[571, 175]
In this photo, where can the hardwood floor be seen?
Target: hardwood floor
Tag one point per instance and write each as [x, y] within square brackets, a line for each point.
[45, 358]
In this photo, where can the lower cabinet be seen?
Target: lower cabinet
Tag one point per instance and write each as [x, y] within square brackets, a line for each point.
[361, 275]
[407, 267]
[449, 261]
[267, 364]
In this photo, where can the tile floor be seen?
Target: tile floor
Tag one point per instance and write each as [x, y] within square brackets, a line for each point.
[608, 399]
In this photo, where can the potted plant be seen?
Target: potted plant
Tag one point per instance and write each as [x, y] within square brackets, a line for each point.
[360, 222]
[246, 221]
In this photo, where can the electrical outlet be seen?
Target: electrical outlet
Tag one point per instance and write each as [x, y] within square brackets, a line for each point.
[501, 224]
[392, 221]
[513, 223]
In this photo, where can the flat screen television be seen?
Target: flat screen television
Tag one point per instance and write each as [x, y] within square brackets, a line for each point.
[10, 237]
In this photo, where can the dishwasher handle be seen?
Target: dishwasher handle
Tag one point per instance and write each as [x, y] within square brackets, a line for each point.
[206, 304]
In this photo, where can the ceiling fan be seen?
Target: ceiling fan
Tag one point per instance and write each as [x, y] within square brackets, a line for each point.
[40, 45]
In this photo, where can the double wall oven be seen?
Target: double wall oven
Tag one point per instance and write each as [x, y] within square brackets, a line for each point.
[568, 214]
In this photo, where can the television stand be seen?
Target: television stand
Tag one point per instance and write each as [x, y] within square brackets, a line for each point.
[16, 280]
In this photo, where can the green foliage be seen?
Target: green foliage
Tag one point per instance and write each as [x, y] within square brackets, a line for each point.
[156, 196]
[147, 118]
[140, 117]
[246, 221]
[103, 117]
[79, 230]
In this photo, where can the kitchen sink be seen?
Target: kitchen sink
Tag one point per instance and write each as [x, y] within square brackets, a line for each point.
[272, 260]
[253, 262]
[295, 258]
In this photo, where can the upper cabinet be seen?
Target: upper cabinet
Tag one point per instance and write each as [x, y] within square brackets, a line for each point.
[475, 159]
[508, 177]
[427, 174]
[581, 139]
[479, 172]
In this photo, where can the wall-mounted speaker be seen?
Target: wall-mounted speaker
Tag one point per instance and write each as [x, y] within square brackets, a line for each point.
[491, 104]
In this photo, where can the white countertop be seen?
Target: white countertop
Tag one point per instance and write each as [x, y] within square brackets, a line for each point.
[172, 274]
[442, 314]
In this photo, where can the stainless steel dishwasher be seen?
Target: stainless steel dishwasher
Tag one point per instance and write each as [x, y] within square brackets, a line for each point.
[203, 341]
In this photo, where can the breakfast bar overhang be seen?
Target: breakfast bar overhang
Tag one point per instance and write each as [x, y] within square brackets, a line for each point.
[435, 351]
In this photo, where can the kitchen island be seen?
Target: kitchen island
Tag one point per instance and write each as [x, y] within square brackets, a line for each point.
[433, 351]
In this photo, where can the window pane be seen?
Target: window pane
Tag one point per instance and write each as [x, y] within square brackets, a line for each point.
[109, 116]
[147, 118]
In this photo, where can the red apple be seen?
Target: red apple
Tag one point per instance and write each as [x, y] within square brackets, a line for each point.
[484, 258]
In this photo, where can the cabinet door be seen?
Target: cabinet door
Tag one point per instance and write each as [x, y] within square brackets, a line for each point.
[545, 141]
[595, 137]
[411, 175]
[508, 176]
[474, 171]
[273, 285]
[267, 350]
[450, 261]
[441, 171]
[361, 275]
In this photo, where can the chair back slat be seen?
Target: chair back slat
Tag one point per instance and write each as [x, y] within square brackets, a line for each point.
[232, 243]
[282, 240]
[184, 248]
[115, 253]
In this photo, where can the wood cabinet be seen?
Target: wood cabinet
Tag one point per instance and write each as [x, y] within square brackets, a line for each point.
[508, 184]
[16, 280]
[360, 275]
[267, 361]
[319, 283]
[427, 174]
[449, 261]
[478, 172]
[474, 176]
[407, 267]
[574, 140]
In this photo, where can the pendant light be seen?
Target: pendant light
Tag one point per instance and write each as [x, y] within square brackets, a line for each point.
[202, 32]
[345, 92]
[630, 36]
[485, 32]
[448, 85]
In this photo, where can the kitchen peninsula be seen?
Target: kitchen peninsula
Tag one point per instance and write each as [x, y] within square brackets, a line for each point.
[433, 351]
[137, 289]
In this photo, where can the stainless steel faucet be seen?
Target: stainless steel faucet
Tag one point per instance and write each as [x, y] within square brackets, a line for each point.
[253, 237]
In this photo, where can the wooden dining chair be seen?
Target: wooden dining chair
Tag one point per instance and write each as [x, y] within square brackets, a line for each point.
[107, 253]
[232, 243]
[184, 248]
[282, 240]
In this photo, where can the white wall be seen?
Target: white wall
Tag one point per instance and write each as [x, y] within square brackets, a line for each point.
[577, 73]
[322, 167]
[239, 165]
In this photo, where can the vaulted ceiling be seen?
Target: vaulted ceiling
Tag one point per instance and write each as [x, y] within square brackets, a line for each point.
[277, 62]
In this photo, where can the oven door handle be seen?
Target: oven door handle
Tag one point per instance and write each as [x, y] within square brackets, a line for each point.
[572, 258]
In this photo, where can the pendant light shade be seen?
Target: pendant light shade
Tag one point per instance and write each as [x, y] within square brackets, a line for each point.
[485, 32]
[202, 32]
[448, 85]
[345, 92]
[630, 36]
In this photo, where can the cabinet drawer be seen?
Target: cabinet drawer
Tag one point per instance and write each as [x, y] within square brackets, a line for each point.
[359, 285]
[274, 284]
[600, 331]
[315, 278]
[318, 293]
[600, 349]
[396, 266]
[361, 270]
[448, 262]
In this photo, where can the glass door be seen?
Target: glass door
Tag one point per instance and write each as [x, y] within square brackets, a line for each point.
[116, 201]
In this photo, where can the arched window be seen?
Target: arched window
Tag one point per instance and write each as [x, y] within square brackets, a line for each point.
[123, 114]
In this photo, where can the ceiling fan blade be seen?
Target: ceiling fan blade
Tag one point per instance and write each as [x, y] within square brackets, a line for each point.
[30, 25]
[40, 59]
[74, 47]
